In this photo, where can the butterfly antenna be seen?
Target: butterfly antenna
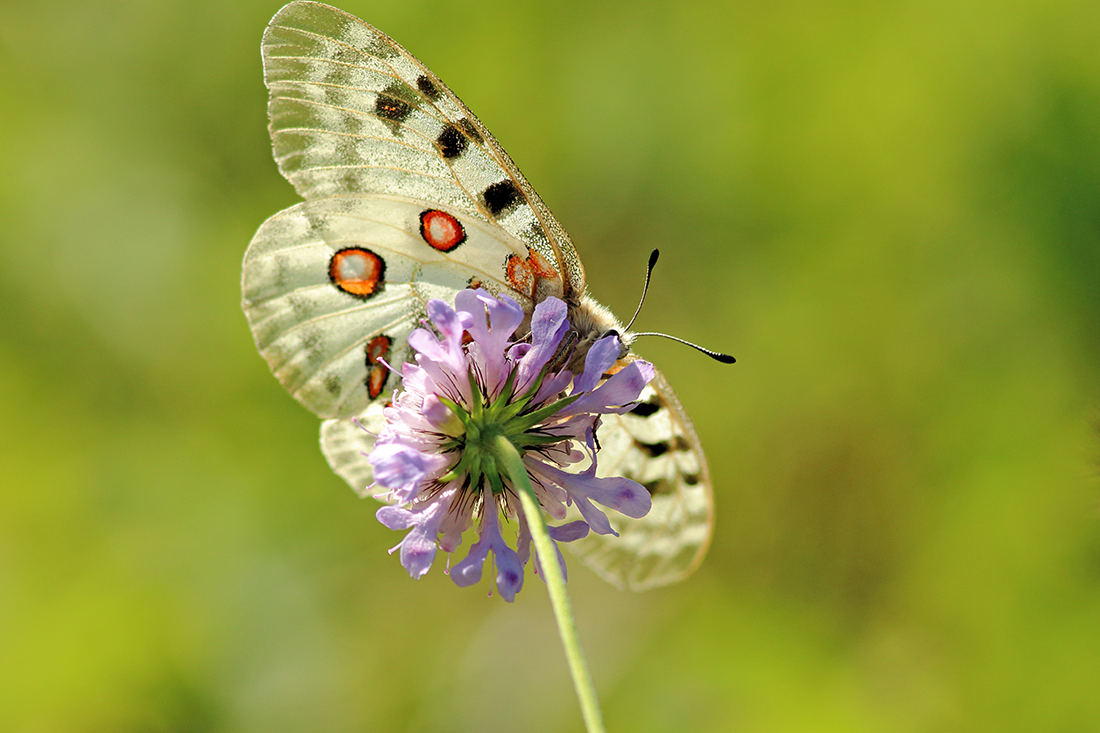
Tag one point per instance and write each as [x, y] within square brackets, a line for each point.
[645, 289]
[716, 355]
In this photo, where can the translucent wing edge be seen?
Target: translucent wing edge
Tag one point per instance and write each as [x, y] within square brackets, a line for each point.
[669, 543]
[346, 442]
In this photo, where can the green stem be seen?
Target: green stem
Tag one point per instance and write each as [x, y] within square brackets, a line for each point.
[510, 459]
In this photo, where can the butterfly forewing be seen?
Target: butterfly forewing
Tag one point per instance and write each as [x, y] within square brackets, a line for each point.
[353, 112]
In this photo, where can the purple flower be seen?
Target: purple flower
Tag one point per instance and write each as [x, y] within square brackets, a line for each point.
[472, 384]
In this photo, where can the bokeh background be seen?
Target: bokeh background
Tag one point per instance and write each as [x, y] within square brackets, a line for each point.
[888, 211]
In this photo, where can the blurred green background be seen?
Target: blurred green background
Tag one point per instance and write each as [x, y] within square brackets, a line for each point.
[888, 211]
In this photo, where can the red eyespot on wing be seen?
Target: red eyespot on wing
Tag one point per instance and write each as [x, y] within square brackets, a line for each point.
[441, 230]
[539, 265]
[357, 271]
[519, 275]
[524, 274]
[376, 380]
[378, 349]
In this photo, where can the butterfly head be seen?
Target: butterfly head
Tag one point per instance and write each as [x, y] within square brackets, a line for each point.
[592, 322]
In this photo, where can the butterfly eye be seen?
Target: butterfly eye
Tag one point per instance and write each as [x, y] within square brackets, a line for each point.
[624, 345]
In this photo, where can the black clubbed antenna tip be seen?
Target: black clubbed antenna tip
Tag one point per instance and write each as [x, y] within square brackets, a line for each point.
[645, 288]
[716, 355]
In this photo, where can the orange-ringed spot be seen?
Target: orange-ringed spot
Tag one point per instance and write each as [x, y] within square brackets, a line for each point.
[524, 274]
[519, 275]
[539, 265]
[378, 349]
[376, 380]
[441, 230]
[357, 271]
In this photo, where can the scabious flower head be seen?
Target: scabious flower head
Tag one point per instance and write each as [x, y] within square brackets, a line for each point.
[472, 385]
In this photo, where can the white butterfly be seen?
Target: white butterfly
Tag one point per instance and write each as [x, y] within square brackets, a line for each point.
[408, 197]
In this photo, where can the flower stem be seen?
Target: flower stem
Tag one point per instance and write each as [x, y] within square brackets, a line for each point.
[512, 462]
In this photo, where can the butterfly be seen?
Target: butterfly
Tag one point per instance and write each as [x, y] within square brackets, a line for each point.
[407, 198]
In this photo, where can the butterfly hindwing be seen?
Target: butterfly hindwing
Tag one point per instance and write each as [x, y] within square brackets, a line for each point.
[346, 444]
[656, 445]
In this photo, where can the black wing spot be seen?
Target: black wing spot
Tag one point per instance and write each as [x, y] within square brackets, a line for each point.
[471, 130]
[645, 409]
[500, 196]
[389, 104]
[311, 344]
[428, 87]
[451, 142]
[691, 479]
[652, 486]
[653, 450]
[332, 385]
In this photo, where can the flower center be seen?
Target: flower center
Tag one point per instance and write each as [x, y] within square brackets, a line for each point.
[485, 422]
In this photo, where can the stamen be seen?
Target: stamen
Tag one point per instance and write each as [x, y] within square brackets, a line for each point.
[386, 364]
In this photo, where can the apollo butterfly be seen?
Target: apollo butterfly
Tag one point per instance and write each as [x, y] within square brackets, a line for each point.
[407, 198]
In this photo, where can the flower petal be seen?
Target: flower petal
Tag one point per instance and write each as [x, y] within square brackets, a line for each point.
[449, 322]
[394, 517]
[552, 385]
[598, 360]
[616, 393]
[548, 326]
[569, 532]
[509, 570]
[614, 492]
[418, 547]
[509, 577]
[426, 344]
[468, 570]
[490, 340]
[505, 315]
[403, 470]
[439, 417]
